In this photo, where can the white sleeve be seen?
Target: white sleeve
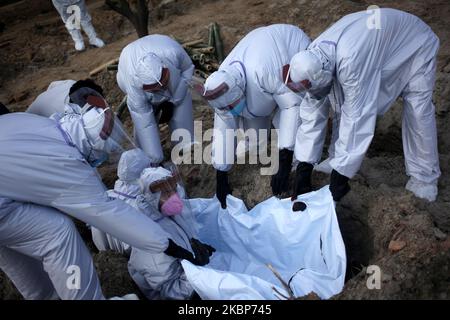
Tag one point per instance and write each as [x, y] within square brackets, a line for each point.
[224, 143]
[186, 65]
[86, 199]
[357, 125]
[312, 130]
[289, 104]
[146, 127]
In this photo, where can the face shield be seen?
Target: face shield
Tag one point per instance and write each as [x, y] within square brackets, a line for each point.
[225, 99]
[309, 71]
[163, 188]
[297, 87]
[79, 96]
[106, 135]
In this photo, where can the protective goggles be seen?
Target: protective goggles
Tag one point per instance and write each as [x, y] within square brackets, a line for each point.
[166, 186]
[297, 87]
[161, 84]
[108, 124]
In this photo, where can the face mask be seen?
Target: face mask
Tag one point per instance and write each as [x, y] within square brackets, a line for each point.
[237, 110]
[172, 206]
[99, 161]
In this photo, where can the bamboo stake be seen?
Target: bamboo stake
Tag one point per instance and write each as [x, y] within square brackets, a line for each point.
[192, 43]
[103, 66]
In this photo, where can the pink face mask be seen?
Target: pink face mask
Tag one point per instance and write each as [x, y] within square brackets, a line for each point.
[172, 206]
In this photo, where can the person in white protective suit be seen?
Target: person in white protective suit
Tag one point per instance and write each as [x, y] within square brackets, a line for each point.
[47, 174]
[157, 275]
[64, 96]
[76, 16]
[155, 73]
[364, 70]
[247, 91]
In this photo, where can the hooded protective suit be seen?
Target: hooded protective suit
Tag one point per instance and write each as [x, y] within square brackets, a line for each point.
[53, 100]
[46, 175]
[160, 276]
[67, 13]
[257, 64]
[139, 65]
[128, 189]
[370, 68]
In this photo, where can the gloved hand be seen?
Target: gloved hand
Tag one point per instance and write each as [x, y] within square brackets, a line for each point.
[178, 252]
[3, 109]
[167, 109]
[302, 179]
[222, 188]
[202, 252]
[338, 185]
[280, 180]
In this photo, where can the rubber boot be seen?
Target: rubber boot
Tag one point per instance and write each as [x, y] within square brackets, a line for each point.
[90, 32]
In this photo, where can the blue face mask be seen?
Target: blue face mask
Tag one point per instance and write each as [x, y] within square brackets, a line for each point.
[237, 110]
[98, 162]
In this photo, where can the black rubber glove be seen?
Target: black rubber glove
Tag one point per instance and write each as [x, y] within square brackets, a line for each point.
[339, 186]
[178, 252]
[222, 188]
[202, 252]
[3, 109]
[302, 179]
[280, 180]
[167, 108]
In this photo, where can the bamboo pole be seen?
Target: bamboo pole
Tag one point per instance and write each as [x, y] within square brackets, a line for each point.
[103, 67]
[192, 43]
[218, 43]
[121, 108]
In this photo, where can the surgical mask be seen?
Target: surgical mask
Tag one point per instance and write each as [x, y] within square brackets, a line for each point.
[237, 110]
[172, 206]
[99, 161]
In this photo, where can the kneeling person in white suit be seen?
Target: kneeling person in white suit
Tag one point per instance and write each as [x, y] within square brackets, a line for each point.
[157, 275]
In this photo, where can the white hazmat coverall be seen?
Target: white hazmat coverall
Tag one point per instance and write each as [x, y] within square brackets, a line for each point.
[158, 276]
[374, 66]
[44, 177]
[260, 57]
[141, 104]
